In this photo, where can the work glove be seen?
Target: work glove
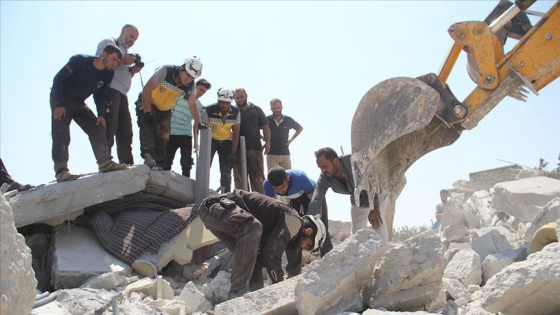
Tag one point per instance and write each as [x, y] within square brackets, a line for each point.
[150, 119]
[232, 157]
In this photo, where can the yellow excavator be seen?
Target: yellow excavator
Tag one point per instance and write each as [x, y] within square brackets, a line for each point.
[401, 119]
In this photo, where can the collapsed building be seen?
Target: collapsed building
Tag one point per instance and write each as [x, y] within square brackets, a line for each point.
[128, 243]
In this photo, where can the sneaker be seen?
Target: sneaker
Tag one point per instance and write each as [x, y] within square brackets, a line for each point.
[66, 177]
[149, 160]
[112, 166]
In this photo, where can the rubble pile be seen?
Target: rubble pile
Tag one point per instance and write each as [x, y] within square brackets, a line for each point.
[479, 262]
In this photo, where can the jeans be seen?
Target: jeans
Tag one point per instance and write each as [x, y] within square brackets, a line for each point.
[240, 233]
[153, 139]
[119, 125]
[185, 144]
[255, 170]
[224, 149]
[79, 112]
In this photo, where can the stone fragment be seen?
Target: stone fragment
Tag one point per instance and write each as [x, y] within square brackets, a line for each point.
[333, 284]
[194, 299]
[491, 242]
[526, 287]
[465, 267]
[408, 276]
[492, 264]
[17, 278]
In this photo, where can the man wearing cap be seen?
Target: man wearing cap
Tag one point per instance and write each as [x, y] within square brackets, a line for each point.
[154, 105]
[258, 230]
[224, 121]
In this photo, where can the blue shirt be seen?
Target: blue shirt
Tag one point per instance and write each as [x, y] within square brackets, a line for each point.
[79, 79]
[299, 186]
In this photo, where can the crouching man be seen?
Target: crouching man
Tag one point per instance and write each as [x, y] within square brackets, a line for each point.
[257, 229]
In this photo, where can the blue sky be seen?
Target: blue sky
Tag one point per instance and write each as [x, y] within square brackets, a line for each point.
[319, 58]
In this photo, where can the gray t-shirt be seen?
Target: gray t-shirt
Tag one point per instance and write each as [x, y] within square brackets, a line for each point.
[123, 78]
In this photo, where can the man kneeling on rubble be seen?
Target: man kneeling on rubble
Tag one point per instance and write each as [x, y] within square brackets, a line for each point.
[257, 230]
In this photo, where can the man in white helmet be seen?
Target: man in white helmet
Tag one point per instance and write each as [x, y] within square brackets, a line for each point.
[154, 105]
[258, 229]
[224, 120]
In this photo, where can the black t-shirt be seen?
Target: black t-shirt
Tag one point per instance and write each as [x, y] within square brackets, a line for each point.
[251, 122]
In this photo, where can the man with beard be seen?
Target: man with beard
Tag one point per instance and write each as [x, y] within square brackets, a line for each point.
[154, 105]
[81, 77]
[224, 120]
[119, 123]
[253, 120]
[336, 173]
[280, 126]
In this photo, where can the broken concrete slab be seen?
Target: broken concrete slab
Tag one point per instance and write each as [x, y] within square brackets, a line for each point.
[326, 289]
[171, 185]
[456, 214]
[465, 267]
[77, 256]
[481, 202]
[493, 264]
[195, 299]
[491, 242]
[59, 199]
[408, 276]
[526, 287]
[276, 299]
[524, 198]
[17, 279]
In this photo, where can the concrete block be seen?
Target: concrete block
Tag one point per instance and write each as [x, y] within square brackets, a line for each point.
[77, 256]
[456, 233]
[58, 199]
[524, 198]
[491, 242]
[526, 287]
[408, 276]
[17, 278]
[333, 284]
[492, 264]
[465, 267]
[276, 299]
[195, 300]
[171, 185]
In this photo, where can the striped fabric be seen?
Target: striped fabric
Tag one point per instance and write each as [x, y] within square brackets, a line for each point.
[131, 233]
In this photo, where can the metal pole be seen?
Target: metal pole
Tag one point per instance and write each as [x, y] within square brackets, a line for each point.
[243, 154]
[201, 189]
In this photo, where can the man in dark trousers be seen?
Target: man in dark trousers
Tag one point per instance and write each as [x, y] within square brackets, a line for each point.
[81, 77]
[258, 229]
[253, 120]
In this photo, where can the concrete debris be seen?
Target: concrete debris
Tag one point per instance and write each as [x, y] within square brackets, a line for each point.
[476, 264]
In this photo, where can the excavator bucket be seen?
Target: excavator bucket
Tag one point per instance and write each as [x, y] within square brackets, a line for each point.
[396, 122]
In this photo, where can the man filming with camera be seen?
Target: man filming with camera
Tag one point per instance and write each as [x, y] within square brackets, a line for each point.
[119, 122]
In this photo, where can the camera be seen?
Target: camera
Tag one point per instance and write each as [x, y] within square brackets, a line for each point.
[137, 61]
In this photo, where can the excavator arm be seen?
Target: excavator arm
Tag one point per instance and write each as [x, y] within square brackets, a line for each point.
[401, 119]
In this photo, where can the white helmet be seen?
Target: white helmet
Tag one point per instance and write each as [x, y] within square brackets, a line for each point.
[193, 66]
[321, 234]
[226, 95]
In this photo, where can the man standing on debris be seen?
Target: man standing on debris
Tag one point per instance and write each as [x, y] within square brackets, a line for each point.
[295, 189]
[280, 140]
[257, 230]
[336, 173]
[154, 105]
[5, 178]
[119, 123]
[443, 195]
[181, 135]
[81, 77]
[253, 120]
[224, 120]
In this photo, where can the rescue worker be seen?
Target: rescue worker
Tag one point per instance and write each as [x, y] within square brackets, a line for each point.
[257, 230]
[154, 105]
